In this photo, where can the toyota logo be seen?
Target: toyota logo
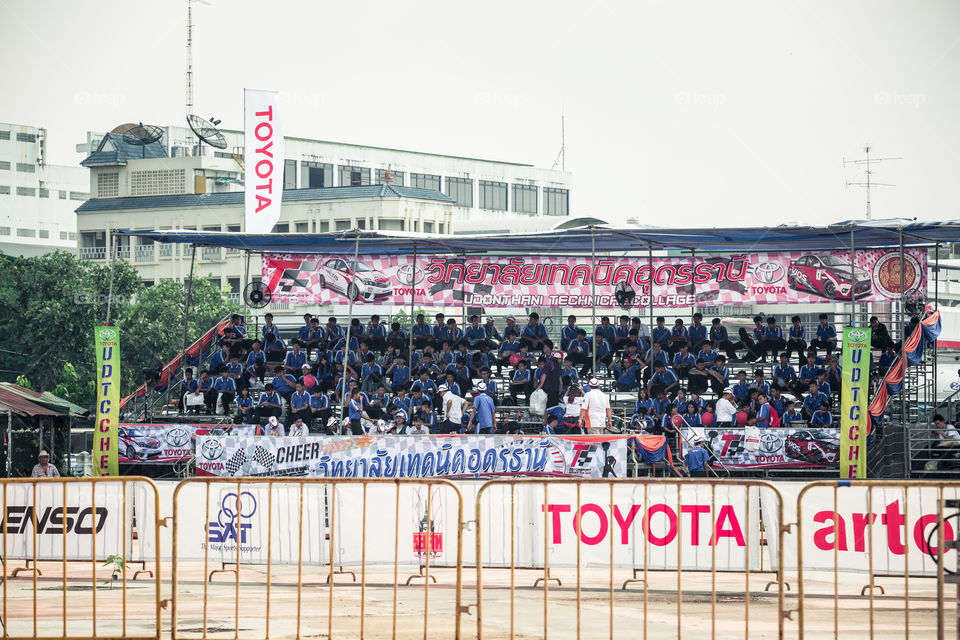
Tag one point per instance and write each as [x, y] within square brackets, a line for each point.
[409, 274]
[858, 335]
[768, 272]
[177, 437]
[108, 334]
[211, 449]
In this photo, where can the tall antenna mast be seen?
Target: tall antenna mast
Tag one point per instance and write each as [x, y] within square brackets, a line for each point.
[562, 156]
[865, 162]
[189, 57]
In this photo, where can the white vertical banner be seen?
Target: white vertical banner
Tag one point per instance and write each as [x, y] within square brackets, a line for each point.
[263, 160]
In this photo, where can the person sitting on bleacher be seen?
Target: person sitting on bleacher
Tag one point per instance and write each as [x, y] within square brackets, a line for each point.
[235, 336]
[683, 361]
[206, 389]
[235, 370]
[220, 359]
[283, 383]
[268, 327]
[719, 375]
[475, 336]
[275, 349]
[797, 340]
[370, 373]
[428, 366]
[604, 355]
[760, 383]
[784, 375]
[462, 374]
[313, 338]
[578, 349]
[391, 353]
[255, 365]
[269, 404]
[227, 388]
[332, 334]
[741, 390]
[643, 345]
[508, 347]
[299, 403]
[446, 355]
[399, 374]
[777, 401]
[772, 340]
[679, 338]
[822, 382]
[422, 333]
[708, 354]
[397, 339]
[427, 415]
[379, 400]
[438, 331]
[664, 379]
[807, 375]
[879, 335]
[691, 415]
[188, 384]
[764, 413]
[790, 414]
[569, 333]
[622, 333]
[304, 331]
[697, 333]
[295, 360]
[822, 417]
[521, 381]
[660, 334]
[720, 340]
[698, 378]
[346, 361]
[606, 330]
[324, 371]
[493, 336]
[461, 351]
[627, 372]
[569, 371]
[245, 412]
[811, 403]
[376, 334]
[641, 420]
[681, 399]
[307, 379]
[700, 403]
[826, 335]
[452, 382]
[834, 376]
[482, 359]
[534, 334]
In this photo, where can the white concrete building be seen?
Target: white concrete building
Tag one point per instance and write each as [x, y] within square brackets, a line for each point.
[37, 200]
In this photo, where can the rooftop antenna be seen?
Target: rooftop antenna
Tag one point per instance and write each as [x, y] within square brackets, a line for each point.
[140, 135]
[866, 167]
[562, 156]
[190, 53]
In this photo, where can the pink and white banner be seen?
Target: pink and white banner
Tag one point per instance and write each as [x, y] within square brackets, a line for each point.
[263, 160]
[450, 281]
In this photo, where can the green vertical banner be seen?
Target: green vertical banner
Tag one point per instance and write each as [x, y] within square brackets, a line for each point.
[105, 441]
[855, 376]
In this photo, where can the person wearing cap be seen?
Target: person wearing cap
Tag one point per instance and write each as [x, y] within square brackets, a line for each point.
[453, 406]
[484, 411]
[511, 328]
[697, 459]
[492, 335]
[726, 409]
[595, 411]
[308, 380]
[275, 427]
[43, 468]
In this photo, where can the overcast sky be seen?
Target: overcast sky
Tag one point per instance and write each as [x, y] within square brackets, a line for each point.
[683, 113]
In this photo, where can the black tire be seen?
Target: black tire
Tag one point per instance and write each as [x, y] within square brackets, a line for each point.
[353, 291]
[791, 281]
[829, 289]
[322, 282]
[131, 453]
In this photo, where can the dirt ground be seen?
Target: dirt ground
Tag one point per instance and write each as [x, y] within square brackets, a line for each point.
[365, 607]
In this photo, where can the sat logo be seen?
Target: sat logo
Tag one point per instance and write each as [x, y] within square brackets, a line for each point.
[228, 524]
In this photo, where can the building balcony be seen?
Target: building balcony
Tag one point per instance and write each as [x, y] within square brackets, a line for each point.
[211, 254]
[146, 253]
[93, 253]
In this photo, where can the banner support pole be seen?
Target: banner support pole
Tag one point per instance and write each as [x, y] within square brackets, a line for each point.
[186, 303]
[346, 357]
[936, 298]
[593, 296]
[113, 259]
[903, 347]
[853, 279]
[413, 288]
[650, 297]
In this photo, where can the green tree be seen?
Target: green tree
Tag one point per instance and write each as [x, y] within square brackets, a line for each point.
[152, 332]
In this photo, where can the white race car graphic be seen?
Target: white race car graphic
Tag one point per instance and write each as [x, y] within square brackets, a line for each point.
[365, 284]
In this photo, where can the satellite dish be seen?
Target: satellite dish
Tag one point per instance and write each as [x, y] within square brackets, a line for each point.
[207, 131]
[140, 135]
[257, 295]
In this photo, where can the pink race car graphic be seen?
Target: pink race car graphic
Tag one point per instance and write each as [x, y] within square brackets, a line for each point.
[828, 276]
[337, 274]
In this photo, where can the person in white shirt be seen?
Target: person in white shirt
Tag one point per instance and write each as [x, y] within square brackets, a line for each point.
[595, 411]
[726, 410]
[43, 469]
[298, 429]
[452, 410]
[417, 428]
[275, 427]
[946, 433]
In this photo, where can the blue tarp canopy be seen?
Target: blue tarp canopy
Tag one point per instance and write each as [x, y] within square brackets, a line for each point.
[607, 239]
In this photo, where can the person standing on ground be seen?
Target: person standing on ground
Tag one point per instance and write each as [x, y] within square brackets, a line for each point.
[595, 412]
[484, 411]
[697, 459]
[551, 378]
[43, 469]
[452, 410]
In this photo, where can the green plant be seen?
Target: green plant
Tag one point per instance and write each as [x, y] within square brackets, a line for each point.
[117, 563]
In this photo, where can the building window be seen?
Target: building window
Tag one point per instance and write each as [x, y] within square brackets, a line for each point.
[342, 225]
[290, 174]
[4, 165]
[63, 195]
[361, 223]
[281, 227]
[425, 181]
[461, 190]
[44, 233]
[79, 195]
[73, 235]
[324, 226]
[524, 198]
[354, 176]
[391, 225]
[147, 283]
[108, 185]
[315, 175]
[27, 233]
[428, 227]
[26, 191]
[493, 195]
[63, 235]
[161, 182]
[4, 190]
[396, 177]
[233, 228]
[4, 135]
[26, 167]
[556, 202]
[44, 193]
[4, 231]
[26, 137]
[302, 227]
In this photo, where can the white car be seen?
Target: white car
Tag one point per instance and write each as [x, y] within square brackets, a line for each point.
[366, 284]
